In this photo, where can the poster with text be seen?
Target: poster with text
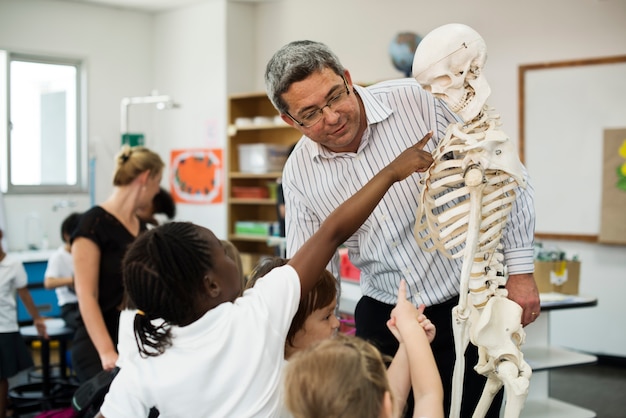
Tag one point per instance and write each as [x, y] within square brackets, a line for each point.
[197, 176]
[613, 211]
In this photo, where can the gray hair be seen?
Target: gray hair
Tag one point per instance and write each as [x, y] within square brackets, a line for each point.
[294, 62]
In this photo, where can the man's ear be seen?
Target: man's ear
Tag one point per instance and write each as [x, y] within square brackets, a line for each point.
[290, 121]
[348, 77]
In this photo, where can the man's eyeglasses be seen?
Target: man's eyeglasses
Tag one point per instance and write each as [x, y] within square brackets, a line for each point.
[312, 117]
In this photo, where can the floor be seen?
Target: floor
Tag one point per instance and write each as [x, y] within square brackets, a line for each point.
[598, 387]
[34, 375]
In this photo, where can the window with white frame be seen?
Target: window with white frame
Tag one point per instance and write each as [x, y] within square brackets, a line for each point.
[42, 142]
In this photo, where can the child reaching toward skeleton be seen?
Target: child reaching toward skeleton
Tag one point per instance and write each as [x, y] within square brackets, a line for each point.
[315, 318]
[315, 322]
[346, 376]
[215, 353]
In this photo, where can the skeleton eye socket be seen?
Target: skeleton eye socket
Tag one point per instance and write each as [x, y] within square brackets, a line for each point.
[443, 80]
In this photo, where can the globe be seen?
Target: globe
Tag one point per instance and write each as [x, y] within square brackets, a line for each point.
[402, 49]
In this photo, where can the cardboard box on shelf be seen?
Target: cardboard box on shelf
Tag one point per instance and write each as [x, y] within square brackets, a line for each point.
[262, 158]
[557, 276]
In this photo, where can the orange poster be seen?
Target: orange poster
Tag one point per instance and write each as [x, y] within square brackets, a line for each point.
[197, 176]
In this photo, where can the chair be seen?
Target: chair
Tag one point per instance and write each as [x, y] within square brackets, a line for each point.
[49, 392]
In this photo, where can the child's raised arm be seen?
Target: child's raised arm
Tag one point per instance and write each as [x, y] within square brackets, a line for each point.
[415, 341]
[311, 259]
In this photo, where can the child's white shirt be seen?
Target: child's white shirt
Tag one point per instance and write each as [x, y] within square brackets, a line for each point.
[229, 363]
[12, 277]
[60, 264]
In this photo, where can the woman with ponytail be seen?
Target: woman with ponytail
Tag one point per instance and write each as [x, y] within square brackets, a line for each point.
[98, 247]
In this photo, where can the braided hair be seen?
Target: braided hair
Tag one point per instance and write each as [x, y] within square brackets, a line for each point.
[164, 270]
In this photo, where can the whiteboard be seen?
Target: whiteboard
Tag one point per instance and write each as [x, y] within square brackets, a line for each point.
[565, 111]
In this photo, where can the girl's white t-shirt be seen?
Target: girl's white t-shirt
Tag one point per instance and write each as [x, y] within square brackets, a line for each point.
[229, 363]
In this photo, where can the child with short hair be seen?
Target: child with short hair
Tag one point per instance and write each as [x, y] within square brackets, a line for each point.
[218, 354]
[14, 356]
[59, 273]
[315, 318]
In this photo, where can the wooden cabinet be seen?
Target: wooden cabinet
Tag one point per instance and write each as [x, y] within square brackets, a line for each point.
[253, 120]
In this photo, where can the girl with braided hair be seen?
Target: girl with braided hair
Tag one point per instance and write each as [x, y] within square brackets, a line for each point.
[98, 245]
[204, 350]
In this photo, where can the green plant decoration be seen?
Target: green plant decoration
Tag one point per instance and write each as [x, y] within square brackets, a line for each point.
[621, 169]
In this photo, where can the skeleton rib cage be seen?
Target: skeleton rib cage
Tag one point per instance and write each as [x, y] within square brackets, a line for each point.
[442, 220]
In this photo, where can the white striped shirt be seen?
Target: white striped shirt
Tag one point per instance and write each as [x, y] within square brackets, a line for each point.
[316, 181]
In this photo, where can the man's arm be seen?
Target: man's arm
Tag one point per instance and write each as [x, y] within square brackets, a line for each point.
[523, 290]
[518, 240]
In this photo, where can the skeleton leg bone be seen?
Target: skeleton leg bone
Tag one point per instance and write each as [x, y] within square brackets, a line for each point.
[461, 313]
[499, 335]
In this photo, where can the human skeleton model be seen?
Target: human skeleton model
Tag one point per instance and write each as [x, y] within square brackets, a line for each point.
[465, 202]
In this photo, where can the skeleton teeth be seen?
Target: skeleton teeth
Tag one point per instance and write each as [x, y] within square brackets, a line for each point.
[465, 101]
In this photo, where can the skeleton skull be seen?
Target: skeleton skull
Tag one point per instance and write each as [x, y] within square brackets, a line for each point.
[449, 62]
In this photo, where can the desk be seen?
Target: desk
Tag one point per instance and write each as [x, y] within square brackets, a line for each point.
[49, 392]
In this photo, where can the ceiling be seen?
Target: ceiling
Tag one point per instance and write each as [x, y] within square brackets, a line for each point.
[152, 6]
[142, 5]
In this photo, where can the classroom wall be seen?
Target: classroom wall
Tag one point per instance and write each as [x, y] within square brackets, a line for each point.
[183, 53]
[190, 61]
